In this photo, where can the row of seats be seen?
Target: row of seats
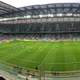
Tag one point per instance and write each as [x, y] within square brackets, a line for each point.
[40, 28]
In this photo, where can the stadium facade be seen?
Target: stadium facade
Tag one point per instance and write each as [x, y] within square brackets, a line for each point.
[54, 21]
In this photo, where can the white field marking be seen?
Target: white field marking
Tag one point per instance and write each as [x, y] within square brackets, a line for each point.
[5, 41]
[40, 40]
[63, 63]
[44, 58]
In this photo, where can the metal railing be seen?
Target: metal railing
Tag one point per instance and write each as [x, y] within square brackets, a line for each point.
[37, 74]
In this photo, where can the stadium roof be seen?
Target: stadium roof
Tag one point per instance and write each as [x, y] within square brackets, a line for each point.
[52, 8]
[21, 3]
[40, 9]
[6, 8]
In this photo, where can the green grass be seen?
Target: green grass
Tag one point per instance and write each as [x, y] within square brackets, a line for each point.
[46, 55]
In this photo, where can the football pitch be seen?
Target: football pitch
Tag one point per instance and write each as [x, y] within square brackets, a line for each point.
[46, 55]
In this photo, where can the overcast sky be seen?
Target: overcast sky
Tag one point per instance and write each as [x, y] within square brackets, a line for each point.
[21, 3]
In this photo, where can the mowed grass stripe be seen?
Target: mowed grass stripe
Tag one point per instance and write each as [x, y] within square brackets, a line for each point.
[47, 59]
[46, 55]
[70, 59]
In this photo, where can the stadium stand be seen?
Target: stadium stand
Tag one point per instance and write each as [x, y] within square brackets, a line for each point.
[54, 21]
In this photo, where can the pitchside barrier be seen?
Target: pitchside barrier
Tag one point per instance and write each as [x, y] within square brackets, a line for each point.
[7, 70]
[38, 73]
